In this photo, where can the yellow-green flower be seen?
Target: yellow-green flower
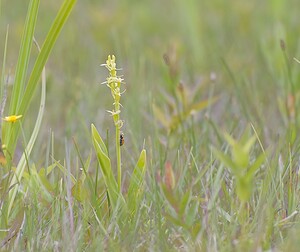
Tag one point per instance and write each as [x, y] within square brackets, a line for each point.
[12, 118]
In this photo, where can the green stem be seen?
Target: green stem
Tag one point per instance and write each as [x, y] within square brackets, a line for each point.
[118, 147]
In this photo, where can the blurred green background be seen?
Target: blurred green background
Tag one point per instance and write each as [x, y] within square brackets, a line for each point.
[236, 42]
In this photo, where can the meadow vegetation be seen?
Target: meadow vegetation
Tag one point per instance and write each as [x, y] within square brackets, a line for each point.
[190, 144]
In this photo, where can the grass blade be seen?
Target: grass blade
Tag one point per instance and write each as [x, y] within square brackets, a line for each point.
[24, 55]
[20, 106]
[136, 183]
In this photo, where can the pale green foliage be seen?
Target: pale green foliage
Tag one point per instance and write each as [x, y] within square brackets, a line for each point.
[239, 163]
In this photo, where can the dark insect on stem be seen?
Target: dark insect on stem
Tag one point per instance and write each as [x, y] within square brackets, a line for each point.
[122, 140]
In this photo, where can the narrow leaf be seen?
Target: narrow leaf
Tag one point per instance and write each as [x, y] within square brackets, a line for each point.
[24, 55]
[135, 190]
[184, 202]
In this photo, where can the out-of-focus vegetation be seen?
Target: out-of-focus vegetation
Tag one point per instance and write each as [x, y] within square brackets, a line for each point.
[211, 94]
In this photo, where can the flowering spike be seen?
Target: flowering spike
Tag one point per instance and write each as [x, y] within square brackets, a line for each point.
[113, 82]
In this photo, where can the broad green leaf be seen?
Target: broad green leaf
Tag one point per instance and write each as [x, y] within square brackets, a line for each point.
[99, 140]
[104, 161]
[101, 152]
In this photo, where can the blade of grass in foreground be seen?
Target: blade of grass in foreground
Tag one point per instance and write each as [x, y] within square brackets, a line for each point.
[20, 106]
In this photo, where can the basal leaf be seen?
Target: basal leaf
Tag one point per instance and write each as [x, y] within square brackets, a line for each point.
[105, 165]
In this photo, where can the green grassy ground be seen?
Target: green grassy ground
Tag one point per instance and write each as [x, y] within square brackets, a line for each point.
[211, 96]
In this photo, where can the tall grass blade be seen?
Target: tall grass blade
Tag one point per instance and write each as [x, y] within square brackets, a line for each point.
[48, 45]
[21, 72]
[24, 55]
[19, 104]
[2, 80]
